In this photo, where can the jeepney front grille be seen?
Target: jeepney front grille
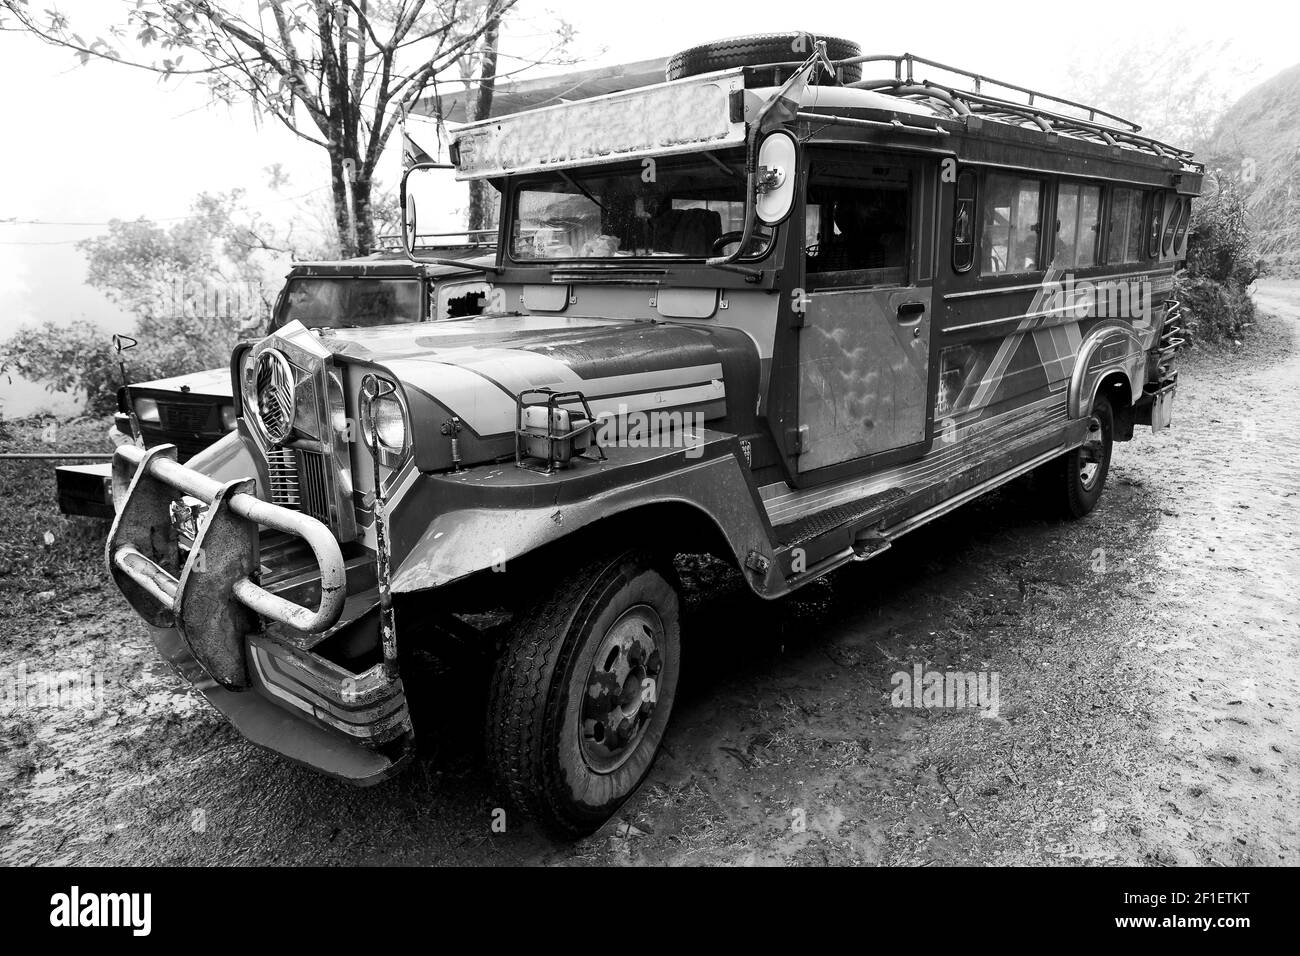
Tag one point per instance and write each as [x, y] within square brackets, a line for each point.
[186, 417]
[299, 481]
[282, 475]
[314, 485]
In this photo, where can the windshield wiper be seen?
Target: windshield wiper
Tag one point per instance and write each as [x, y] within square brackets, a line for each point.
[581, 188]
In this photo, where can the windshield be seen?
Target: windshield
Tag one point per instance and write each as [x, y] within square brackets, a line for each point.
[349, 303]
[682, 208]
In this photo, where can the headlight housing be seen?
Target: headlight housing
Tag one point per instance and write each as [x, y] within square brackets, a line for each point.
[383, 416]
[388, 419]
[146, 410]
[273, 387]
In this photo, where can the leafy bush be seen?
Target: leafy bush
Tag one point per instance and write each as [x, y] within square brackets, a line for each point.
[1213, 311]
[80, 358]
[1221, 265]
[193, 287]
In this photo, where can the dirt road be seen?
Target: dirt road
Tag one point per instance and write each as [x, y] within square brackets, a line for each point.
[1147, 660]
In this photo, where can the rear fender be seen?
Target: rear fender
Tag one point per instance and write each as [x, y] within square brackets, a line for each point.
[1112, 349]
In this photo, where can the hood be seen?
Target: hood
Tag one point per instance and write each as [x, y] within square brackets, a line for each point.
[211, 383]
[474, 368]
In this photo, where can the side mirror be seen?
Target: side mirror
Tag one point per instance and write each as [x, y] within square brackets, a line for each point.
[775, 178]
[409, 230]
[424, 186]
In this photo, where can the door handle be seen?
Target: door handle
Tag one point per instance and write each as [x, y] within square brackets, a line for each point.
[909, 309]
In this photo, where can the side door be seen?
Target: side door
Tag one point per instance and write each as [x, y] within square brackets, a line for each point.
[864, 345]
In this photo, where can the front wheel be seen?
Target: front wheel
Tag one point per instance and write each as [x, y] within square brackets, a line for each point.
[583, 691]
[1071, 485]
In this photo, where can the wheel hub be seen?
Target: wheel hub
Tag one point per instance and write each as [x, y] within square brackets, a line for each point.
[1090, 454]
[622, 689]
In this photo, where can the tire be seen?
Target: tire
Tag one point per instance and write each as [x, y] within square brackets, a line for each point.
[1070, 486]
[571, 729]
[760, 50]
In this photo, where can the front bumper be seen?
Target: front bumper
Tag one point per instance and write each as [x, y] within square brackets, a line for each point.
[248, 650]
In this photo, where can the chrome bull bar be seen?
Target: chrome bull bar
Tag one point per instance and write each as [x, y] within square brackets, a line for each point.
[213, 598]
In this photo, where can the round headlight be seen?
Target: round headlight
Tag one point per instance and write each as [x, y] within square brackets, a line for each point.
[389, 422]
[273, 388]
[227, 418]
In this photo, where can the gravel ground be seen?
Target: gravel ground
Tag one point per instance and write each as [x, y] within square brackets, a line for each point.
[1146, 659]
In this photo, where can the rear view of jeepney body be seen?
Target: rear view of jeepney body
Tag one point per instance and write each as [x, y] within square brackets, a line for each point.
[776, 312]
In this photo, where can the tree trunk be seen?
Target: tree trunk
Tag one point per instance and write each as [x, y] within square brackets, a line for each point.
[365, 219]
[363, 243]
[481, 202]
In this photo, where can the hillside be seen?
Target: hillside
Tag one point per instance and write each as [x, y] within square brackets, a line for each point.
[1264, 127]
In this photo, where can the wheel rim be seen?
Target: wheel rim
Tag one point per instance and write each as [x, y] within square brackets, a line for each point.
[621, 691]
[1091, 454]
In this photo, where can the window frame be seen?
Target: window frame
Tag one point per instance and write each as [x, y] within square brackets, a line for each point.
[984, 190]
[970, 204]
[840, 173]
[1136, 224]
[1081, 184]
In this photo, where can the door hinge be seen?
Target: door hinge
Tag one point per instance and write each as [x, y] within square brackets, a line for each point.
[795, 439]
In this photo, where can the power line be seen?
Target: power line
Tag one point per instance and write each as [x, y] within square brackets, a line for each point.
[65, 222]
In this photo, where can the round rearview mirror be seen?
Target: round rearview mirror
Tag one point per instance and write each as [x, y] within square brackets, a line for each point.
[408, 221]
[775, 178]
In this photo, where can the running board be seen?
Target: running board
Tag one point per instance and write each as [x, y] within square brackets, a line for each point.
[871, 542]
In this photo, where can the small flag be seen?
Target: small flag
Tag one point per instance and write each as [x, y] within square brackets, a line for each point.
[412, 152]
[783, 107]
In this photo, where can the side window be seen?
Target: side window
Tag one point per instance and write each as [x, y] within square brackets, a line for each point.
[855, 232]
[1183, 222]
[1078, 213]
[1171, 226]
[1011, 229]
[963, 223]
[1124, 232]
[1154, 213]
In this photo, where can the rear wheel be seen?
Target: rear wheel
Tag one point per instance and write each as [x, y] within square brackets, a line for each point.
[1071, 485]
[582, 695]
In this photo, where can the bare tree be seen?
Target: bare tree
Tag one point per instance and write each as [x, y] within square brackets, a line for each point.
[337, 73]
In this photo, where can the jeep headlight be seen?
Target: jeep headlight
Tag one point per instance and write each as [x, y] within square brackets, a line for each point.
[388, 420]
[146, 409]
[383, 415]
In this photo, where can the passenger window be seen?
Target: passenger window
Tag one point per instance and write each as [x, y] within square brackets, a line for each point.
[1012, 225]
[1155, 211]
[1078, 214]
[855, 233]
[963, 223]
[1124, 235]
[1175, 214]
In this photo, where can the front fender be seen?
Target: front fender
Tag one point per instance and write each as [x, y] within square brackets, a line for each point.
[503, 513]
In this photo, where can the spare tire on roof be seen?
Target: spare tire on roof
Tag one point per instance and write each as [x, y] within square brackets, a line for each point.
[763, 49]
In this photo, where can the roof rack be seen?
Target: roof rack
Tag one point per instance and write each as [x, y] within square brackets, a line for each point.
[1009, 103]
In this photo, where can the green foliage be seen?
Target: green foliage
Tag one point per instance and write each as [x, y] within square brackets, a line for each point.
[1222, 243]
[193, 288]
[1221, 264]
[1213, 311]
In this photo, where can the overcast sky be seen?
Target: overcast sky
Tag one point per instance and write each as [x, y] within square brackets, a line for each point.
[88, 144]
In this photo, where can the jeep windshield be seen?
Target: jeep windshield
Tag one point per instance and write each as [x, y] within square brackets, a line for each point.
[343, 302]
[685, 208]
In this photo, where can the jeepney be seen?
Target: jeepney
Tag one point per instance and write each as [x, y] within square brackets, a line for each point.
[784, 307]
